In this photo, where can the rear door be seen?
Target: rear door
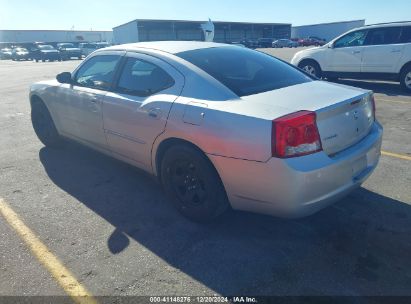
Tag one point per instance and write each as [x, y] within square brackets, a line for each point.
[136, 112]
[382, 50]
[346, 53]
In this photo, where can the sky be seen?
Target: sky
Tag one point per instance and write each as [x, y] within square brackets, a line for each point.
[106, 14]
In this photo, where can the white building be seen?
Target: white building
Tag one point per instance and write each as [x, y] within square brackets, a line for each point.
[54, 36]
[327, 31]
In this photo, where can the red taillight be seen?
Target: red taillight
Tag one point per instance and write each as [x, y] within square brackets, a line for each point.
[295, 135]
[374, 108]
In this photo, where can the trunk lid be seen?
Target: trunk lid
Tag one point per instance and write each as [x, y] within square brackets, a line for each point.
[344, 114]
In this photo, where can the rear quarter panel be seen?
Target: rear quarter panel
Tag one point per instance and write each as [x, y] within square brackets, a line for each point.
[219, 129]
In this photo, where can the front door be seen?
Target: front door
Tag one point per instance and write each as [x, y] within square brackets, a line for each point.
[81, 103]
[346, 53]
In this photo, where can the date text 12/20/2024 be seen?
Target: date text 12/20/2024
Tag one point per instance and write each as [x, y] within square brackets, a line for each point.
[203, 300]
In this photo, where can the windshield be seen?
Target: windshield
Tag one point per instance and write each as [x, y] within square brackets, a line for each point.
[243, 71]
[46, 47]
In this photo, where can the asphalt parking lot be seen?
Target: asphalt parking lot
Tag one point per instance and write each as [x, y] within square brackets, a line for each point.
[111, 226]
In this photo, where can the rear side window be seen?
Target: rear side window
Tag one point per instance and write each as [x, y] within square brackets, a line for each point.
[142, 78]
[406, 34]
[383, 36]
[97, 72]
[243, 71]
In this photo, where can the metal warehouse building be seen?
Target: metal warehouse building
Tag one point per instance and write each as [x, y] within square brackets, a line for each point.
[157, 30]
[54, 36]
[327, 31]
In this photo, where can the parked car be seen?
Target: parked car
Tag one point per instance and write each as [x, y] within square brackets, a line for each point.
[20, 53]
[88, 48]
[372, 52]
[265, 42]
[238, 44]
[280, 43]
[45, 52]
[322, 40]
[311, 42]
[203, 116]
[5, 53]
[250, 43]
[68, 51]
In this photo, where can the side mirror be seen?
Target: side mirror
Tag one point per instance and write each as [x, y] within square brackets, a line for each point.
[64, 77]
[330, 45]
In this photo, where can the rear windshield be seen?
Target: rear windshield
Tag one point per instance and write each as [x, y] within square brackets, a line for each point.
[243, 71]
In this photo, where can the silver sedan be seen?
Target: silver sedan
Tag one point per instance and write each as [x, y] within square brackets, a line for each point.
[220, 126]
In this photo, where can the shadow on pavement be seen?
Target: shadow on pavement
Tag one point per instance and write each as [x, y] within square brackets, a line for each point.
[387, 88]
[360, 246]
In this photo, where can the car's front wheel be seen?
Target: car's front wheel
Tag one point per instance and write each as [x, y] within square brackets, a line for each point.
[405, 78]
[192, 183]
[311, 67]
[43, 125]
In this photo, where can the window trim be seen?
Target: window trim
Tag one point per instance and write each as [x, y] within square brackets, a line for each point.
[117, 77]
[108, 89]
[343, 47]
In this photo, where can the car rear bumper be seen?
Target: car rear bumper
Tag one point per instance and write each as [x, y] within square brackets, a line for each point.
[71, 54]
[298, 187]
[50, 56]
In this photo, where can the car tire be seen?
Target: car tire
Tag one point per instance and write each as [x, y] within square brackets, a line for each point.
[193, 184]
[44, 126]
[311, 67]
[405, 78]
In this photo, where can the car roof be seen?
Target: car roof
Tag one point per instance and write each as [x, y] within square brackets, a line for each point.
[391, 24]
[172, 47]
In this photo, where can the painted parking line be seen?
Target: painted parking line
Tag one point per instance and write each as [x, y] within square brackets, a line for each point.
[60, 273]
[400, 156]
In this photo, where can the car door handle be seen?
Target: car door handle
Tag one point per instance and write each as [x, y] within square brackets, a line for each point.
[154, 113]
[395, 51]
[93, 100]
[356, 52]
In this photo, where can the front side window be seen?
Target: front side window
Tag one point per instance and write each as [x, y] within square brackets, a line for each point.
[142, 78]
[97, 72]
[243, 71]
[383, 36]
[351, 39]
[406, 34]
